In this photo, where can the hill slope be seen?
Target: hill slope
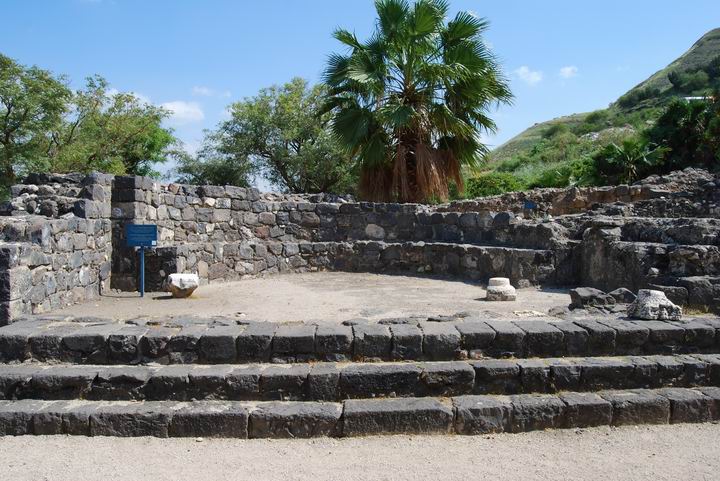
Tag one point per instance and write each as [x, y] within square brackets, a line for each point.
[640, 104]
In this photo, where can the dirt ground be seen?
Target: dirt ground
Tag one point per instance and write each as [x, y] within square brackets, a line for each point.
[330, 297]
[657, 453]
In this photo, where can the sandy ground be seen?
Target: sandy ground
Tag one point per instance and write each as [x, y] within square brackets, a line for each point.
[673, 453]
[324, 297]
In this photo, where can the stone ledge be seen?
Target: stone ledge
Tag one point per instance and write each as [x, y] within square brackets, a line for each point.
[468, 415]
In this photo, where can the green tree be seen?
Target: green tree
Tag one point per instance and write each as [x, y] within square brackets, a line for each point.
[116, 133]
[410, 102]
[32, 103]
[279, 134]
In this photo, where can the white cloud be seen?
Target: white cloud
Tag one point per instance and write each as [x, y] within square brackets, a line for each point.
[208, 92]
[202, 91]
[569, 72]
[530, 77]
[184, 112]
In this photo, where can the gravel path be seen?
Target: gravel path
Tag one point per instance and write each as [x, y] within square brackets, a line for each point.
[656, 453]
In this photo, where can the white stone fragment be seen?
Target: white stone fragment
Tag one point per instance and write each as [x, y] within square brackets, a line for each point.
[500, 289]
[653, 305]
[182, 285]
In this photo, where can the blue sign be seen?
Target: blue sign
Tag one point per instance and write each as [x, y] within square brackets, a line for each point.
[141, 235]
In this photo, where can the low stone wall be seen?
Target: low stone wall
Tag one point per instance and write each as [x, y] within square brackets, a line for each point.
[63, 240]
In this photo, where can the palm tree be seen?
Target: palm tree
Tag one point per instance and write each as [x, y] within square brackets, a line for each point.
[410, 103]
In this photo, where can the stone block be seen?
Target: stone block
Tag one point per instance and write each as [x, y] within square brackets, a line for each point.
[541, 338]
[132, 419]
[333, 343]
[482, 414]
[208, 382]
[574, 337]
[688, 405]
[407, 342]
[323, 382]
[255, 341]
[601, 339]
[565, 374]
[295, 420]
[476, 335]
[218, 344]
[124, 345]
[509, 339]
[534, 412]
[62, 382]
[210, 420]
[124, 383]
[291, 340]
[447, 378]
[494, 376]
[243, 382]
[638, 406]
[630, 337]
[372, 342]
[396, 416]
[16, 416]
[606, 373]
[585, 410]
[373, 380]
[154, 344]
[441, 341]
[535, 375]
[169, 383]
[284, 382]
[664, 334]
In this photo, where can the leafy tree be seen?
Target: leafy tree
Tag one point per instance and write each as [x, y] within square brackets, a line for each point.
[32, 103]
[281, 135]
[409, 103]
[116, 133]
[213, 167]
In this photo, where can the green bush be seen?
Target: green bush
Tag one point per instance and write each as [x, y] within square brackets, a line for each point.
[492, 183]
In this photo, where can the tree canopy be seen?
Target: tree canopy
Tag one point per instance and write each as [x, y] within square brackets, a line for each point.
[410, 103]
[278, 134]
[45, 126]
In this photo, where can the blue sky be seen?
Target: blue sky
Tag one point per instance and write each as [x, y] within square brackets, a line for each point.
[196, 57]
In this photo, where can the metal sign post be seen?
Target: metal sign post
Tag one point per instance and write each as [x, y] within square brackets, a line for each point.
[142, 236]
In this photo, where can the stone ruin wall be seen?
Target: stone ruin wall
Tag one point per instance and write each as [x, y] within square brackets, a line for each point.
[62, 237]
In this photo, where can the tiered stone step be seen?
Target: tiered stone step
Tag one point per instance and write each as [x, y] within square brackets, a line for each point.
[226, 342]
[336, 381]
[461, 415]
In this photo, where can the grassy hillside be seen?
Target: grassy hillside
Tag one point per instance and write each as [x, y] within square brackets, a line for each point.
[542, 146]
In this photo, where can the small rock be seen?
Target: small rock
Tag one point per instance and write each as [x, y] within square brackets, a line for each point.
[623, 296]
[500, 289]
[584, 297]
[653, 305]
[182, 285]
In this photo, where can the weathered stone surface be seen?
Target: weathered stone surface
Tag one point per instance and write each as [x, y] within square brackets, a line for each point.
[653, 305]
[285, 382]
[182, 285]
[500, 289]
[584, 410]
[583, 297]
[531, 412]
[407, 342]
[295, 420]
[372, 380]
[210, 420]
[396, 416]
[447, 378]
[496, 377]
[441, 341]
[639, 406]
[688, 406]
[132, 419]
[482, 414]
[371, 342]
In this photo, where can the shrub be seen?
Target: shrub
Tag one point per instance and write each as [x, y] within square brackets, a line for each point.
[492, 183]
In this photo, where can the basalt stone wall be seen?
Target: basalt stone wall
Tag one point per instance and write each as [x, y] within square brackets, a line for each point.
[48, 261]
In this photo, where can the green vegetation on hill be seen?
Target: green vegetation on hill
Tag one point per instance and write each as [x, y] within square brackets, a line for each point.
[587, 148]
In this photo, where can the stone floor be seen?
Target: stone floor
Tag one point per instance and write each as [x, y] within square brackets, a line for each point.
[327, 298]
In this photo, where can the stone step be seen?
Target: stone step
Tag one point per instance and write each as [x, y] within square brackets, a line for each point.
[339, 381]
[481, 414]
[407, 339]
